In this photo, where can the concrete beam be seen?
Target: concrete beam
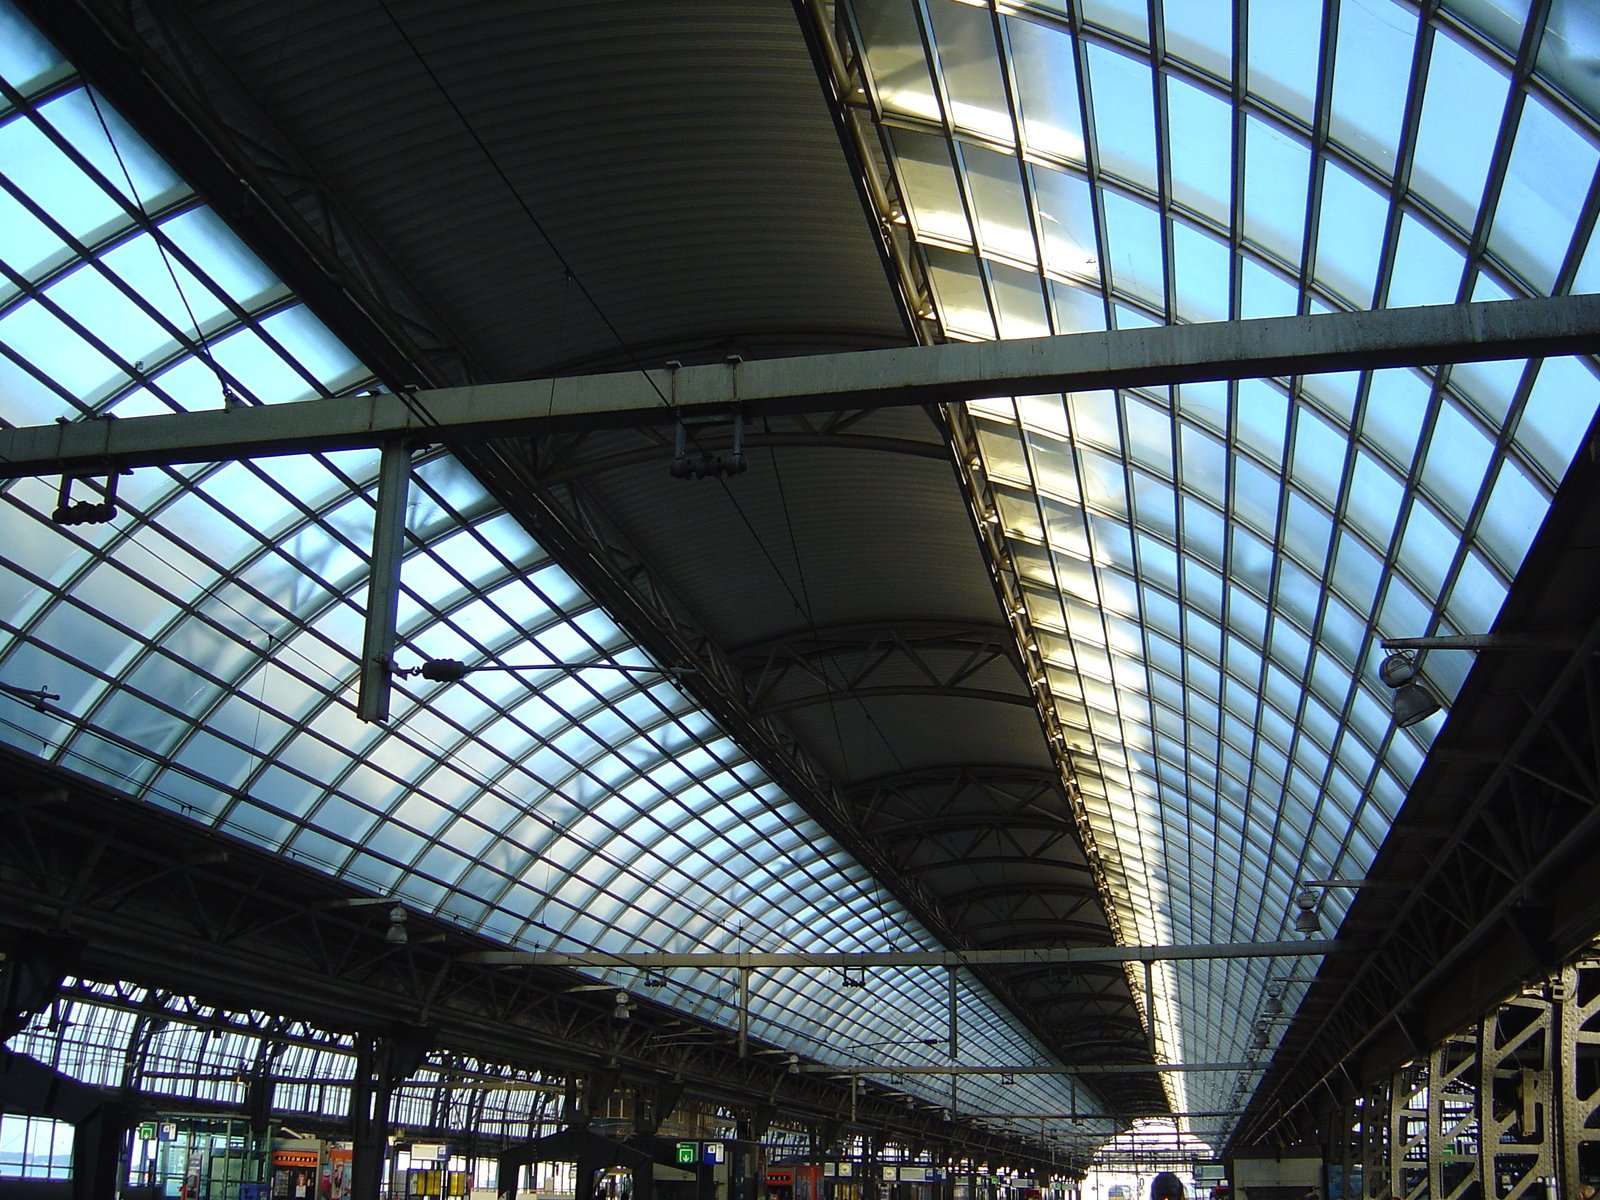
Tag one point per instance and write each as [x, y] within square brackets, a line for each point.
[1276, 346]
[838, 960]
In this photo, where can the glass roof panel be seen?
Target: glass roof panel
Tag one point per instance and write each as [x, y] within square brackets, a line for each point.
[1047, 90]
[1542, 197]
[1308, 524]
[1122, 92]
[1371, 72]
[1283, 39]
[1462, 102]
[202, 642]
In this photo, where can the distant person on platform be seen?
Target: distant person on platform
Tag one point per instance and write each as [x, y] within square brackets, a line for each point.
[1166, 1186]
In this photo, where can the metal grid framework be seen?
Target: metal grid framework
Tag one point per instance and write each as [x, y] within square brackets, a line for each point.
[1203, 573]
[1503, 1109]
[174, 1052]
[199, 651]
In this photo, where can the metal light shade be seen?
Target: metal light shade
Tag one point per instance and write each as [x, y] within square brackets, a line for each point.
[1305, 920]
[1258, 1040]
[1274, 1004]
[1413, 703]
[1397, 669]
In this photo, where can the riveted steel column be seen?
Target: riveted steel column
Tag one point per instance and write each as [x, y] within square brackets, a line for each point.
[383, 587]
[1580, 1074]
[1517, 1146]
[1408, 1132]
[1453, 1172]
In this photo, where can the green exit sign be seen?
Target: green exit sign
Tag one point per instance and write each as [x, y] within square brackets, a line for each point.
[147, 1130]
[688, 1153]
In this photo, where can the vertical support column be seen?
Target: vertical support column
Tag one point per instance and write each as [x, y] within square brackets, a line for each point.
[1375, 1142]
[1580, 1075]
[97, 1153]
[1346, 1147]
[1453, 1135]
[369, 1120]
[382, 1064]
[1516, 1147]
[589, 1169]
[1409, 1151]
[383, 589]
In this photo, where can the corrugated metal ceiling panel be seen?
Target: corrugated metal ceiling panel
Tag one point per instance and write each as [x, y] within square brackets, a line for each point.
[680, 158]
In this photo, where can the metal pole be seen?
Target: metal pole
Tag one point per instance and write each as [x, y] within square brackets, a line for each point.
[1150, 1004]
[744, 1011]
[953, 1075]
[383, 588]
[837, 960]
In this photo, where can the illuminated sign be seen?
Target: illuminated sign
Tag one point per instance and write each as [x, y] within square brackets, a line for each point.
[688, 1154]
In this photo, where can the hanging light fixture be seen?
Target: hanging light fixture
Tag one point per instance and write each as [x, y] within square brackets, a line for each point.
[1412, 701]
[1306, 920]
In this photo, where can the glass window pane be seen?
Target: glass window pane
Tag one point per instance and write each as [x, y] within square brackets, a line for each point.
[1066, 221]
[995, 186]
[1427, 268]
[1201, 32]
[1371, 75]
[1548, 178]
[893, 46]
[1124, 115]
[1200, 274]
[1276, 174]
[1350, 233]
[1047, 89]
[1200, 146]
[965, 49]
[1133, 249]
[1284, 39]
[929, 185]
[1462, 103]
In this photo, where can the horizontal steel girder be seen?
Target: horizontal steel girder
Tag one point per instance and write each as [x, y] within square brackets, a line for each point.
[824, 960]
[1274, 346]
[1121, 1068]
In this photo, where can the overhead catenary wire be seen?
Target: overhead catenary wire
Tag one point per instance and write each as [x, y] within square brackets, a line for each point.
[202, 347]
[571, 279]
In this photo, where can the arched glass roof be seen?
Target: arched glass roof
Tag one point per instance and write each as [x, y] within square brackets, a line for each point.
[1208, 569]
[203, 646]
